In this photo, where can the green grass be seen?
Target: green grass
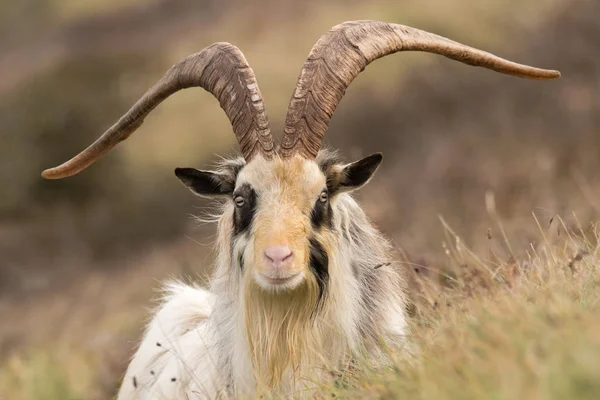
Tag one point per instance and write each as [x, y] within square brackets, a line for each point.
[42, 375]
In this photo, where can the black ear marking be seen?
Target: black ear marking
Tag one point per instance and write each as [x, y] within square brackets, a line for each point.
[357, 174]
[205, 183]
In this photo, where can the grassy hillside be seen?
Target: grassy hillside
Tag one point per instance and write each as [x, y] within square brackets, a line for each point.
[485, 327]
[522, 328]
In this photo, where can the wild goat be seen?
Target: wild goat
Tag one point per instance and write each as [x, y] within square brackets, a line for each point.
[303, 280]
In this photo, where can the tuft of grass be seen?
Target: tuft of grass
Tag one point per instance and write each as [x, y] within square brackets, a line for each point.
[521, 328]
[42, 375]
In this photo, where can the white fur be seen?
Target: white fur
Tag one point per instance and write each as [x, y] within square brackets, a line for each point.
[177, 344]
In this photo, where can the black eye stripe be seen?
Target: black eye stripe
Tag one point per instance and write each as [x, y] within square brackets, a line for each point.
[321, 214]
[319, 266]
[243, 214]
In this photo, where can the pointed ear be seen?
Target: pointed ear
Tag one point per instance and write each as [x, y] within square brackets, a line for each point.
[355, 175]
[206, 183]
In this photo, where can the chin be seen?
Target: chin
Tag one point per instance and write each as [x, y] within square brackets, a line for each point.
[279, 284]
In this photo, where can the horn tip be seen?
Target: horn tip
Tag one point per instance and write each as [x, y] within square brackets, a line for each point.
[47, 174]
[551, 74]
[52, 174]
[543, 74]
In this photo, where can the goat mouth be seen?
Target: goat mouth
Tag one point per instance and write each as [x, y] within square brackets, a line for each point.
[283, 281]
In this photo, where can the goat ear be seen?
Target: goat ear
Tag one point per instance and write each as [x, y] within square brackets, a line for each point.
[205, 183]
[358, 173]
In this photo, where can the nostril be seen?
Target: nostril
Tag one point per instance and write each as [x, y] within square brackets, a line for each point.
[278, 254]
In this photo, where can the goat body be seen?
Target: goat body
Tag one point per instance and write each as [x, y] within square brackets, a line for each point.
[240, 339]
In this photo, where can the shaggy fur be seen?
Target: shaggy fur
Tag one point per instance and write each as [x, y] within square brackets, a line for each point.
[242, 339]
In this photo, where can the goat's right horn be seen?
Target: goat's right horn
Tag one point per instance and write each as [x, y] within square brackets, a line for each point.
[342, 53]
[222, 70]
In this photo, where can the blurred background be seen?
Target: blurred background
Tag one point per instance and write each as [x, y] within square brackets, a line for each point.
[81, 259]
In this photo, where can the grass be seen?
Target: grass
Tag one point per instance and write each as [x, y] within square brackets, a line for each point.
[43, 375]
[487, 326]
[521, 328]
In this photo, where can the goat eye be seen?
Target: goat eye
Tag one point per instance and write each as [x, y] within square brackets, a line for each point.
[323, 197]
[238, 200]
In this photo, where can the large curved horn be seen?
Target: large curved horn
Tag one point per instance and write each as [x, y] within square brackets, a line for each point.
[342, 53]
[222, 70]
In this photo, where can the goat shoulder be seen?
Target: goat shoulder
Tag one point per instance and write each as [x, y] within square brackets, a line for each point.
[176, 355]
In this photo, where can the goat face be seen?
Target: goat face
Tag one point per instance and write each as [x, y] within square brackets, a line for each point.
[280, 214]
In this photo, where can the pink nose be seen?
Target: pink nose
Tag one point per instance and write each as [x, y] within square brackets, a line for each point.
[278, 256]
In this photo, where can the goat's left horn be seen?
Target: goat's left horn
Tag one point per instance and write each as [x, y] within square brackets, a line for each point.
[222, 70]
[342, 53]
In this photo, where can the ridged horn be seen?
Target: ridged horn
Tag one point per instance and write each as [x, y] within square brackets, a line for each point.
[342, 53]
[222, 70]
